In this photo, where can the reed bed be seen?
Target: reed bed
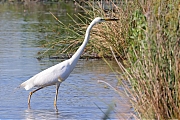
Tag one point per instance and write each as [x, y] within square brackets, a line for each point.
[154, 60]
[147, 40]
[145, 43]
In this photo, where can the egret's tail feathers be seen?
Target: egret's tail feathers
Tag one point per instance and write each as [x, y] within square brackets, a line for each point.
[17, 88]
[27, 85]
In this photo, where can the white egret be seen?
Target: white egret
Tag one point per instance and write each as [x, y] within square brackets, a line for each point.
[56, 74]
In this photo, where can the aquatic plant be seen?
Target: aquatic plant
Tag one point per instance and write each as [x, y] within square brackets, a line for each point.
[147, 42]
[150, 71]
[154, 60]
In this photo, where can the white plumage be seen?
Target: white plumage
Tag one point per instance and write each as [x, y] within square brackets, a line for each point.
[58, 73]
[49, 76]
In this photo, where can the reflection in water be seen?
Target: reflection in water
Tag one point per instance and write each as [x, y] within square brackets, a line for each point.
[41, 114]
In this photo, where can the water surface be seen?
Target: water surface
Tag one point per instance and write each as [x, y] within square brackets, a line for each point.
[80, 96]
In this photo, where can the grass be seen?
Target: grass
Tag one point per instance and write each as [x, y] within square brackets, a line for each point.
[147, 42]
[72, 35]
[154, 60]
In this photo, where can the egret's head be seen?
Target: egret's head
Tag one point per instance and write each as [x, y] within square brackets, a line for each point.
[99, 19]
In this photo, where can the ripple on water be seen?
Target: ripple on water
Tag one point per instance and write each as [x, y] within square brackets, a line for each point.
[80, 96]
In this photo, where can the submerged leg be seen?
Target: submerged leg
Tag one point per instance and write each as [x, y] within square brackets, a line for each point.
[57, 88]
[31, 94]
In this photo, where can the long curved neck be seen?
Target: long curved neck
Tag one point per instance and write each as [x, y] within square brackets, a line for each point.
[76, 56]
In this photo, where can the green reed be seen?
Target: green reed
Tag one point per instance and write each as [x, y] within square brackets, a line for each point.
[146, 39]
[145, 43]
[153, 57]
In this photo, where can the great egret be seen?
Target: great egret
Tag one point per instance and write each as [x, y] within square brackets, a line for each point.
[56, 74]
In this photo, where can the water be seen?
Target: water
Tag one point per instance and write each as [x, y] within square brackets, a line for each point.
[80, 96]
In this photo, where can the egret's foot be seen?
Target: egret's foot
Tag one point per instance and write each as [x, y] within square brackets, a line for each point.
[29, 107]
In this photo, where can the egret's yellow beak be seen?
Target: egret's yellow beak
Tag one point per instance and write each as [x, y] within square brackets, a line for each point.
[109, 19]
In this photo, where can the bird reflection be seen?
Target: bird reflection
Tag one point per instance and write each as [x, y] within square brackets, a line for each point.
[41, 113]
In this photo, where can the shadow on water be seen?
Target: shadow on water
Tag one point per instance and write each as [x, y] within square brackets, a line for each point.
[20, 33]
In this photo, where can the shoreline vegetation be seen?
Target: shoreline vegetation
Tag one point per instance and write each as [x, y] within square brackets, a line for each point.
[145, 43]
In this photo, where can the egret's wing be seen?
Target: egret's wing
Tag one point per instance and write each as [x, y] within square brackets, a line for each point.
[49, 76]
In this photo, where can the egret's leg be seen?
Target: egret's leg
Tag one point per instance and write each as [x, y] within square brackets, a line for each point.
[57, 88]
[32, 93]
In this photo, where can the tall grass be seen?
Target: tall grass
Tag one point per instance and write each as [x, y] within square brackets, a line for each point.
[147, 41]
[102, 35]
[148, 38]
[154, 58]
